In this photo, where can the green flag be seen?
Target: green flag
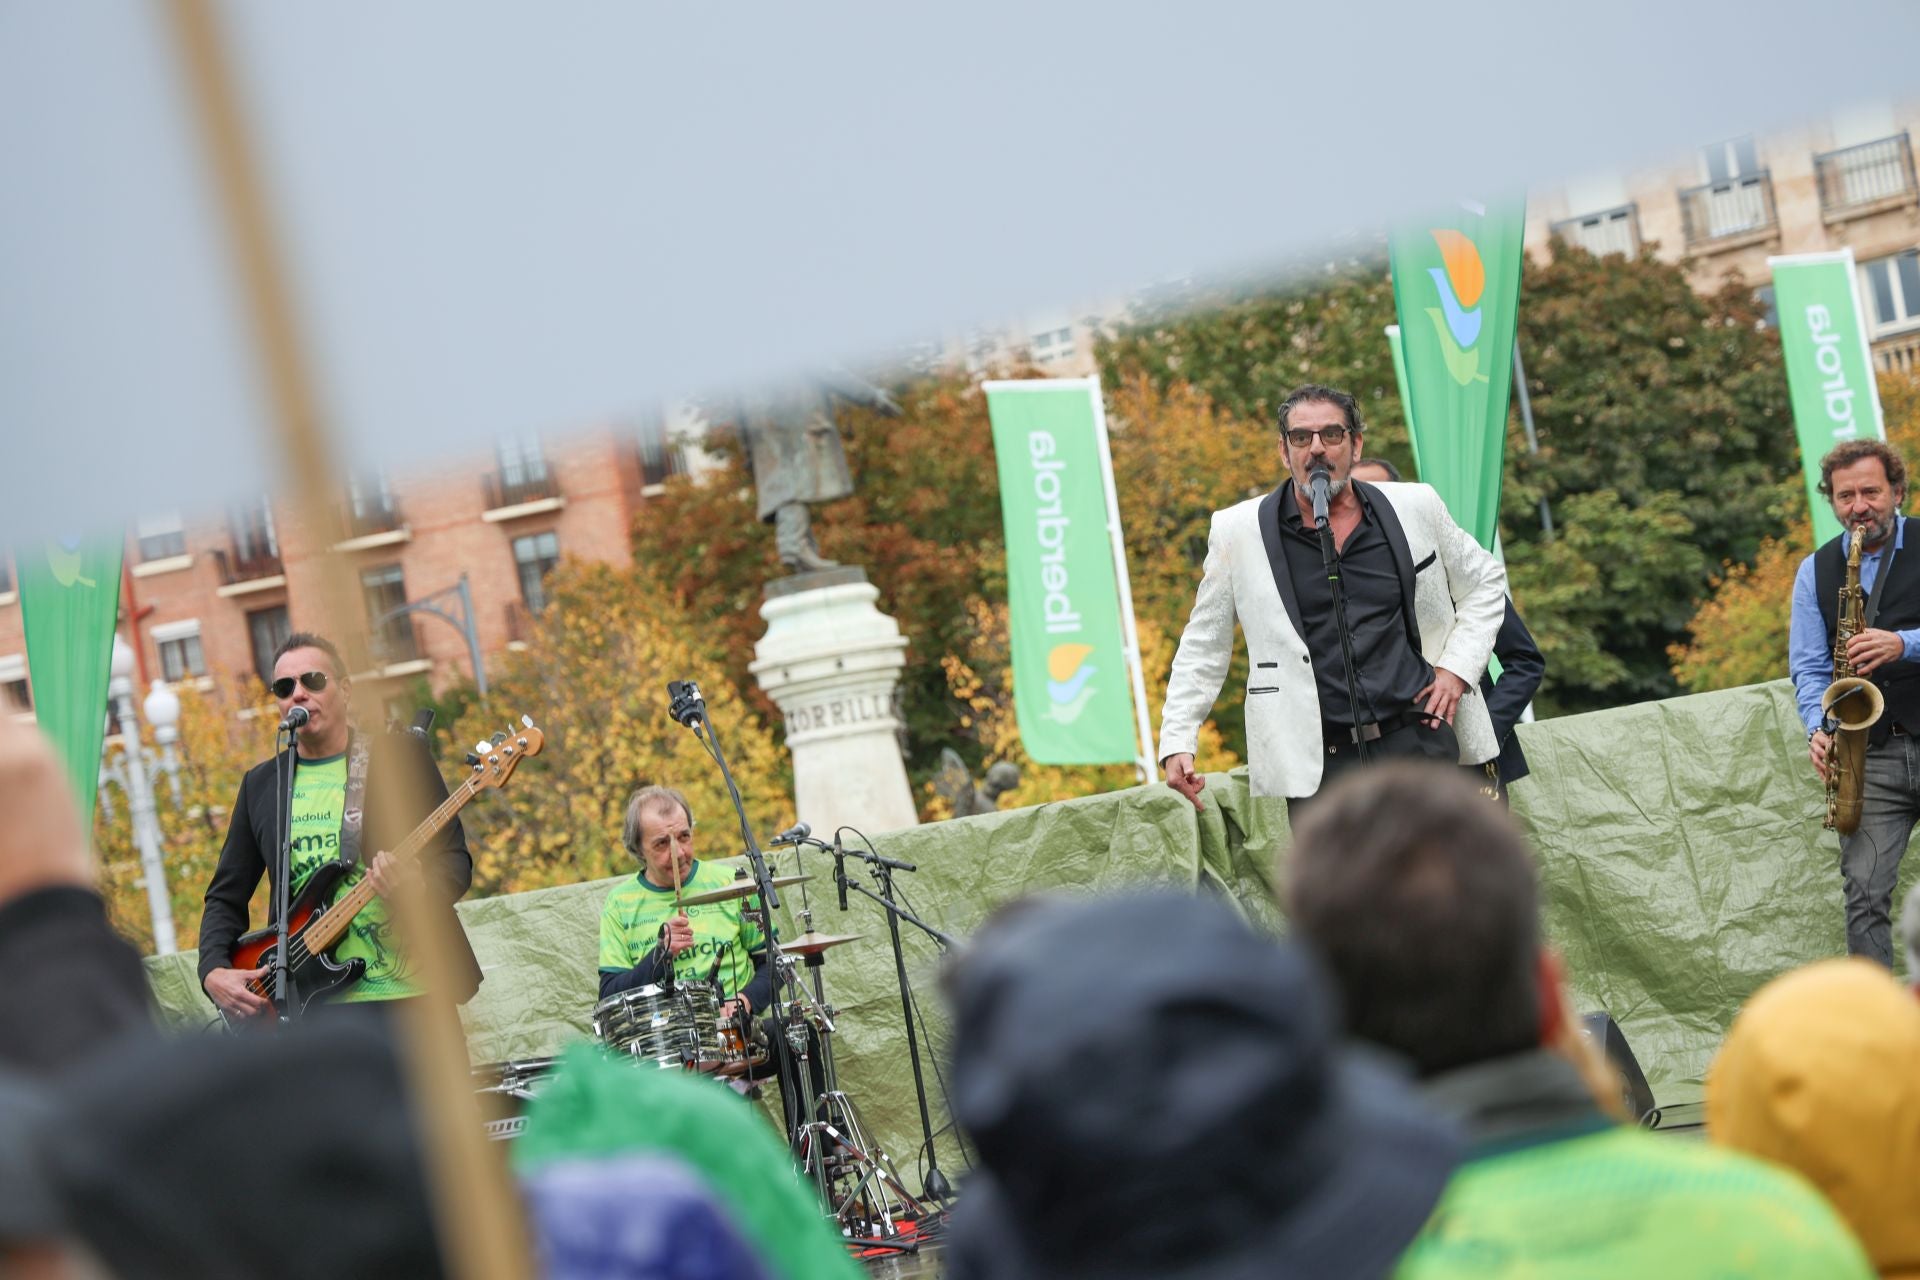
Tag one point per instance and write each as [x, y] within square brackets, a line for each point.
[1069, 632]
[1399, 349]
[1829, 370]
[1456, 289]
[69, 602]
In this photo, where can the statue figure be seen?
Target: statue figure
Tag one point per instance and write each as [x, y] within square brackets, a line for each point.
[794, 448]
[956, 784]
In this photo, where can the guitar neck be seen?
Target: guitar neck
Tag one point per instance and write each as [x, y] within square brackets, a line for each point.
[328, 928]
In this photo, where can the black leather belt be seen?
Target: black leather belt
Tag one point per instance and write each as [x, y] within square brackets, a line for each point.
[1340, 735]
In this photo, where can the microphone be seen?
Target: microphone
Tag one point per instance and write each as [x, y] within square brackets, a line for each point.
[685, 704]
[795, 834]
[1320, 484]
[295, 718]
[422, 721]
[840, 870]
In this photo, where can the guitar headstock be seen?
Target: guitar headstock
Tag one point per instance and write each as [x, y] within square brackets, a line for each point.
[501, 754]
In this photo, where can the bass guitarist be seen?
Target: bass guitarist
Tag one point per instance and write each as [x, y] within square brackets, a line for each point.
[335, 771]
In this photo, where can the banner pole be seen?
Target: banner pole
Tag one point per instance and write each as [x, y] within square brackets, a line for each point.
[1130, 634]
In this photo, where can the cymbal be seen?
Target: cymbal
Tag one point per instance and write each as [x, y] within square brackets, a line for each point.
[738, 889]
[809, 943]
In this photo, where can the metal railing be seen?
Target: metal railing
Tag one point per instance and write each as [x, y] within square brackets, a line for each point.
[367, 518]
[1865, 174]
[519, 622]
[236, 567]
[1615, 230]
[511, 488]
[1735, 207]
[661, 459]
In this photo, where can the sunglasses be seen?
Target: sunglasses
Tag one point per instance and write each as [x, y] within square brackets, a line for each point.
[314, 680]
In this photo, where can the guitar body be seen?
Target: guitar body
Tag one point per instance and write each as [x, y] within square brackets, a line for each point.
[316, 976]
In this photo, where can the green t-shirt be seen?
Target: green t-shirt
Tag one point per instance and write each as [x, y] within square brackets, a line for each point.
[630, 927]
[319, 803]
[1623, 1202]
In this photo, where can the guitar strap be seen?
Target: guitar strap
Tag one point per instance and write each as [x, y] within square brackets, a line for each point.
[352, 819]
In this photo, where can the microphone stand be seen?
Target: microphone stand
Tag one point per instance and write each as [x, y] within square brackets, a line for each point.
[284, 762]
[1332, 564]
[690, 709]
[935, 1184]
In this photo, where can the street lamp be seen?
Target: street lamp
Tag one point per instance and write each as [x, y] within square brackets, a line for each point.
[134, 770]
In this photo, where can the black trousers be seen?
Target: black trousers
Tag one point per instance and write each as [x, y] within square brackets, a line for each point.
[1416, 741]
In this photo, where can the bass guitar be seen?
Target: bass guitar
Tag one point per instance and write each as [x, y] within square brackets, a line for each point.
[316, 923]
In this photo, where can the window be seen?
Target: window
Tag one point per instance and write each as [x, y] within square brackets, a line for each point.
[1764, 296]
[267, 630]
[1735, 158]
[384, 590]
[1893, 287]
[1050, 339]
[521, 460]
[535, 556]
[179, 644]
[660, 454]
[16, 697]
[251, 525]
[370, 506]
[161, 537]
[1609, 231]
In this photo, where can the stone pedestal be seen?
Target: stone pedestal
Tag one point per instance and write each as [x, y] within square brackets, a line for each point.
[830, 660]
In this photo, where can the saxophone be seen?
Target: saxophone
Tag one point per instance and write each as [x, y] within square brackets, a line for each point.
[1850, 705]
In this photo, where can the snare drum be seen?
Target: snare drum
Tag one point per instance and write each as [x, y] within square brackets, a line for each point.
[670, 1028]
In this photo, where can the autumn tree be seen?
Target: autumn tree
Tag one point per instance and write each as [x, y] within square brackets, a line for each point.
[1739, 634]
[593, 678]
[1666, 449]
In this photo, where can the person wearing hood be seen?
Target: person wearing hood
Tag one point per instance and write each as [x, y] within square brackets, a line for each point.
[1422, 898]
[1155, 1090]
[1821, 1073]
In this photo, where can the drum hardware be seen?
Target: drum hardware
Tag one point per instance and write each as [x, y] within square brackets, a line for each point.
[811, 944]
[678, 1027]
[504, 1089]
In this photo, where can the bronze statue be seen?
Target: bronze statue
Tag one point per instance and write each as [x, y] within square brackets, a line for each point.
[956, 784]
[794, 448]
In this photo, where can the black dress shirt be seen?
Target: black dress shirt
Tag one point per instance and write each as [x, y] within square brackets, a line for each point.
[1390, 669]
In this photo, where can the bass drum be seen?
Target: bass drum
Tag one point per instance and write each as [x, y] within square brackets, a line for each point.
[504, 1089]
[677, 1028]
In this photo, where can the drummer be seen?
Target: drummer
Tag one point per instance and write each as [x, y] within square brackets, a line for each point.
[644, 934]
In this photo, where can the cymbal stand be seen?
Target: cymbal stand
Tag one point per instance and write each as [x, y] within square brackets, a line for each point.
[854, 1175]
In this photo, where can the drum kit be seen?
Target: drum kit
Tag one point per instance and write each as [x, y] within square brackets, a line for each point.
[681, 1028]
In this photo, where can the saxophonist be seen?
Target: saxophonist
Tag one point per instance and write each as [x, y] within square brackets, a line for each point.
[1866, 481]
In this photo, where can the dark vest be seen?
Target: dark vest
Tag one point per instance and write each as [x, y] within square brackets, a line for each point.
[1899, 611]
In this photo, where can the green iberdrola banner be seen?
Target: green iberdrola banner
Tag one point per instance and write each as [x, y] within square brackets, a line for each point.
[1456, 289]
[1829, 370]
[69, 602]
[1071, 693]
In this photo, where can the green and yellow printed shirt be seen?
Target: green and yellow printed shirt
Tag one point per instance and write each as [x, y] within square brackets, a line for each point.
[319, 804]
[636, 909]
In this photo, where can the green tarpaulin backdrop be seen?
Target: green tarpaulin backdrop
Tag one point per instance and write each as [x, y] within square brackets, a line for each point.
[1681, 854]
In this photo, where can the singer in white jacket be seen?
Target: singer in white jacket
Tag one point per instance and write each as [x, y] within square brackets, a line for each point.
[1423, 604]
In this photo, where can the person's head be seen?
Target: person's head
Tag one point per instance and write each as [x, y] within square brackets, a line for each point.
[659, 831]
[1422, 897]
[1818, 1074]
[1320, 425]
[308, 672]
[1866, 481]
[1199, 1117]
[1375, 471]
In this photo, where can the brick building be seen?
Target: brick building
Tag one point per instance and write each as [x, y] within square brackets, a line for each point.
[213, 597]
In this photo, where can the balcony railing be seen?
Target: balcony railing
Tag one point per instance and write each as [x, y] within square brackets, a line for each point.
[1899, 354]
[1735, 207]
[519, 623]
[1609, 231]
[1867, 174]
[511, 488]
[367, 518]
[661, 458]
[236, 567]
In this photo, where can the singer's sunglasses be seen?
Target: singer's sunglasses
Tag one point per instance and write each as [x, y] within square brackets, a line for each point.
[314, 680]
[1301, 438]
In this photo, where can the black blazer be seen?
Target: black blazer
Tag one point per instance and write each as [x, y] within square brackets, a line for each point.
[251, 842]
[1521, 668]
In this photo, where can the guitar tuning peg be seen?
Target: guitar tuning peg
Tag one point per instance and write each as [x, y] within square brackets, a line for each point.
[526, 722]
[473, 761]
[498, 738]
[482, 747]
